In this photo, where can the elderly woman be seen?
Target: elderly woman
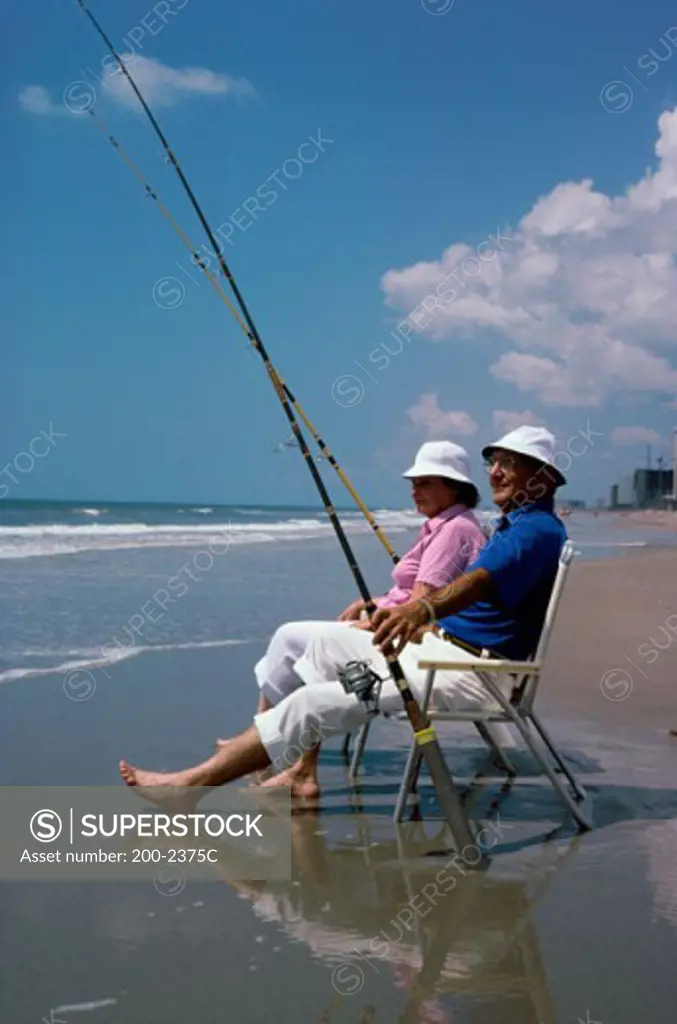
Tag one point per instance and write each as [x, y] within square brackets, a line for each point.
[447, 543]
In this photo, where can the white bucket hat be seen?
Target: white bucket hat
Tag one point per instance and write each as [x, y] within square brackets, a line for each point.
[536, 442]
[441, 458]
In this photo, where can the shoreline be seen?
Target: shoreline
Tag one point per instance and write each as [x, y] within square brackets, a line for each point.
[634, 635]
[656, 518]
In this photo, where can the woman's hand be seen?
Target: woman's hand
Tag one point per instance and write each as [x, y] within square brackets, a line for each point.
[394, 627]
[362, 624]
[353, 611]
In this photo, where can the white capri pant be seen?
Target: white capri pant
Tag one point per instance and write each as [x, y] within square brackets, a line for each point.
[312, 652]
[275, 671]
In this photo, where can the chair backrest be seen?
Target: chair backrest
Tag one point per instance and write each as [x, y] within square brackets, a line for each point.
[528, 694]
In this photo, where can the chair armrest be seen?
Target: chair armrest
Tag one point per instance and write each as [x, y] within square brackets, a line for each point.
[524, 668]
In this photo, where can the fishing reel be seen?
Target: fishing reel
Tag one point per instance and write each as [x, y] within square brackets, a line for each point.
[361, 680]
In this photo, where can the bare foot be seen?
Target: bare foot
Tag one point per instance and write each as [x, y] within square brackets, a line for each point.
[302, 785]
[222, 743]
[258, 778]
[161, 788]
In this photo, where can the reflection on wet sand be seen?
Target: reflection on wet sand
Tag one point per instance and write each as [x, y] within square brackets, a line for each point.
[375, 914]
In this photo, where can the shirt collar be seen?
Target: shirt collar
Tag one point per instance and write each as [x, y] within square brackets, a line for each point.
[444, 516]
[542, 505]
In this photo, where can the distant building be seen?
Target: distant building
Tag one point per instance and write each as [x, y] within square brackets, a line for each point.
[623, 494]
[646, 488]
[649, 487]
[652, 487]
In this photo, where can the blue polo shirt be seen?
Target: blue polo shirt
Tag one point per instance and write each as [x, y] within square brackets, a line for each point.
[522, 557]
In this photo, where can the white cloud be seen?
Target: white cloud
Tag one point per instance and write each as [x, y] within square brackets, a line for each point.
[36, 100]
[160, 85]
[437, 423]
[570, 209]
[583, 292]
[635, 435]
[504, 421]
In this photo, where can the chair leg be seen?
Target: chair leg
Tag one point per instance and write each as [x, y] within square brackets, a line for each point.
[499, 754]
[359, 750]
[568, 801]
[557, 757]
[532, 738]
[408, 780]
[345, 746]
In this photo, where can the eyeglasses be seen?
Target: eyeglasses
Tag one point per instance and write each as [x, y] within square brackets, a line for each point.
[504, 460]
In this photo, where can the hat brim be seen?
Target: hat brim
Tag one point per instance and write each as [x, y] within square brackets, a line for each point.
[431, 469]
[559, 477]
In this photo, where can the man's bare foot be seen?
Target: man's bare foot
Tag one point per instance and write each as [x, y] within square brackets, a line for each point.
[302, 785]
[222, 743]
[162, 788]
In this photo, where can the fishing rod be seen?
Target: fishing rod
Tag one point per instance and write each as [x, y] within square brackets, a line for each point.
[152, 193]
[424, 733]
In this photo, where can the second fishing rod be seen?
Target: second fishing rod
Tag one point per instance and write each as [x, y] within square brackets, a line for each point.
[424, 733]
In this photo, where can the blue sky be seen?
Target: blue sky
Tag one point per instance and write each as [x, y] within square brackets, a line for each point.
[445, 128]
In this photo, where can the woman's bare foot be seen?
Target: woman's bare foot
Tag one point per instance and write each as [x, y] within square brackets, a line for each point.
[304, 784]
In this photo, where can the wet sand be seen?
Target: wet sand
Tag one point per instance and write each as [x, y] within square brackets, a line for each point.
[560, 928]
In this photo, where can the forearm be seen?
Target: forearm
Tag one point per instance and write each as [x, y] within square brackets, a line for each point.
[393, 598]
[460, 594]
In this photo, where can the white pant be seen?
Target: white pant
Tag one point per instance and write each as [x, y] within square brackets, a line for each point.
[312, 652]
[275, 671]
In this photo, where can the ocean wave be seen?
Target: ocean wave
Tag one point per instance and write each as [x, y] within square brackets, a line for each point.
[68, 538]
[94, 659]
[96, 1004]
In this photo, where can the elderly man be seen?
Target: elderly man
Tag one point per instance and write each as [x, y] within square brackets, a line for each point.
[497, 606]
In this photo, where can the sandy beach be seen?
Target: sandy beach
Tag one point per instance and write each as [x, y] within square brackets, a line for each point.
[654, 517]
[558, 927]
[614, 649]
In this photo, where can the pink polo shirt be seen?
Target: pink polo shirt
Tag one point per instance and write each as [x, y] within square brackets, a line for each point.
[444, 549]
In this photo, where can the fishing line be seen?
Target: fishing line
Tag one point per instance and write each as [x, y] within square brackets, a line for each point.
[216, 284]
[424, 733]
[253, 333]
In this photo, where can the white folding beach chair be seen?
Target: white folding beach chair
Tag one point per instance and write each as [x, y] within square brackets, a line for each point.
[516, 709]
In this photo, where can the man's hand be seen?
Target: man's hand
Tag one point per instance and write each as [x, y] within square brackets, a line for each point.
[394, 627]
[417, 638]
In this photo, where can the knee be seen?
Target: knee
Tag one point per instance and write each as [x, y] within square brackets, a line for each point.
[283, 631]
[290, 634]
[283, 644]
